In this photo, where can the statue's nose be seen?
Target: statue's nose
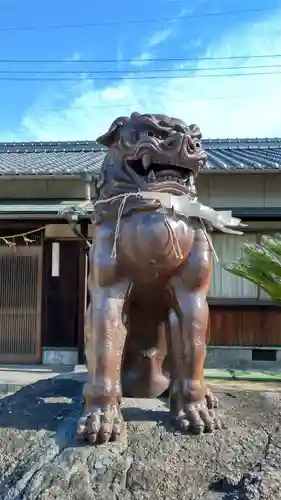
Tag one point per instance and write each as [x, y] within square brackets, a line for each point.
[187, 143]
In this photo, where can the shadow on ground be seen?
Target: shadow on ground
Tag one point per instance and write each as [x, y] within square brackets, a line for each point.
[44, 404]
[41, 405]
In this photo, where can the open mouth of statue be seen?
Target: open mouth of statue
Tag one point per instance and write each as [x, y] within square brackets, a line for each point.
[160, 172]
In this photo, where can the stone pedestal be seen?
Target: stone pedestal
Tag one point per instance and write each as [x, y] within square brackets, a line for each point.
[41, 460]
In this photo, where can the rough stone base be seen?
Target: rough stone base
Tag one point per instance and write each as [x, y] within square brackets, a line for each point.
[41, 460]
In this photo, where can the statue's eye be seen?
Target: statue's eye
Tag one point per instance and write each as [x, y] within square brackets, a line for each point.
[150, 133]
[160, 135]
[179, 128]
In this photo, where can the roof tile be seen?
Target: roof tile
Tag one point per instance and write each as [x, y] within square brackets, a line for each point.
[75, 157]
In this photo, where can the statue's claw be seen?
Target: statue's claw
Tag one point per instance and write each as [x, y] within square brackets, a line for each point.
[100, 425]
[193, 414]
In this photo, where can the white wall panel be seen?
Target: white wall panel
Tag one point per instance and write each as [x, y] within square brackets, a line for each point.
[224, 284]
[272, 190]
[236, 190]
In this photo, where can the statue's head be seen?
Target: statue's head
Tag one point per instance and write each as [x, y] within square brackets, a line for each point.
[156, 143]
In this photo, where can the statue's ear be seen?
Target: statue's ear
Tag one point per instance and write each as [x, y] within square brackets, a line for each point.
[135, 114]
[112, 134]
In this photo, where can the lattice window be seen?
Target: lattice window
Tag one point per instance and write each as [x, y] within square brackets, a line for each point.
[20, 303]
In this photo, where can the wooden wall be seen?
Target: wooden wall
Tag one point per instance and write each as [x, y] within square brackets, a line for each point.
[241, 314]
[61, 295]
[245, 326]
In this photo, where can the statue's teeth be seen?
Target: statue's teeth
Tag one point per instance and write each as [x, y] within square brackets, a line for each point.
[145, 161]
[151, 176]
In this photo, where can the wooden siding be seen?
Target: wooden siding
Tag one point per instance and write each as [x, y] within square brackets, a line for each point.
[60, 231]
[82, 291]
[255, 326]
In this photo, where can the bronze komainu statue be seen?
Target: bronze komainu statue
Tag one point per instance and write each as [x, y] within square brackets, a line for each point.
[149, 274]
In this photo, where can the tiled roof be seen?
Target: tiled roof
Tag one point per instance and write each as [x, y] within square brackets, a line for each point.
[243, 154]
[50, 158]
[70, 158]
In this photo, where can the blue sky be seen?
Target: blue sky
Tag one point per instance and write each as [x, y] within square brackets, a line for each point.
[67, 110]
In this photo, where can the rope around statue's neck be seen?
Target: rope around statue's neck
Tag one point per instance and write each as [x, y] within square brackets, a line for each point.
[124, 198]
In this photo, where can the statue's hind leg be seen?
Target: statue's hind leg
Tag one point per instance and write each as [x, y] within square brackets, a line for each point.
[104, 342]
[145, 351]
[190, 401]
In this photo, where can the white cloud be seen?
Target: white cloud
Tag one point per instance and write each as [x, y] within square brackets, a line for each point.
[159, 37]
[223, 107]
[115, 93]
[143, 59]
[152, 42]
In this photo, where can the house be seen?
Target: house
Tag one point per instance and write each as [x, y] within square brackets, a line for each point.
[43, 264]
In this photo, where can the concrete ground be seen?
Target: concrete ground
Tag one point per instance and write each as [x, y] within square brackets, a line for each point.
[14, 377]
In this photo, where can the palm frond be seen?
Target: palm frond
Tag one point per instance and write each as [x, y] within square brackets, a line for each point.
[260, 264]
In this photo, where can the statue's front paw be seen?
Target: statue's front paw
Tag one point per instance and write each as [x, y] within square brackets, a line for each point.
[192, 409]
[101, 424]
[196, 418]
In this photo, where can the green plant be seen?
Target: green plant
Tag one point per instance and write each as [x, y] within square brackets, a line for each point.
[260, 263]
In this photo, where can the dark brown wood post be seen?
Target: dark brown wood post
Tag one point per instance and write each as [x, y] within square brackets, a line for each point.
[82, 292]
